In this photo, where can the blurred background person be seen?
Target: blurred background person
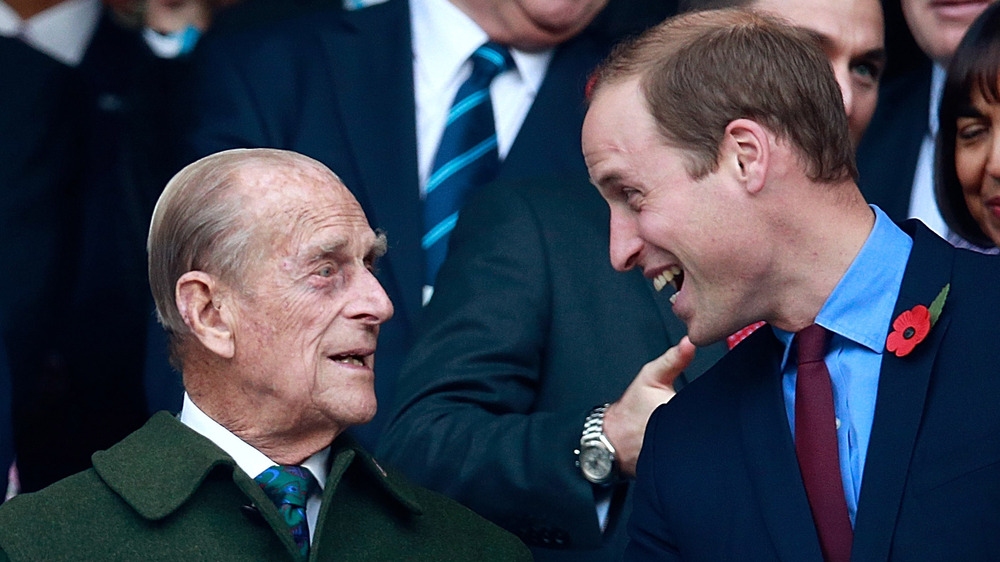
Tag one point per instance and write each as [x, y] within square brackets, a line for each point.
[896, 157]
[968, 163]
[88, 144]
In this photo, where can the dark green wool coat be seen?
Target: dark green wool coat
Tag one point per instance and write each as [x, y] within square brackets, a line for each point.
[167, 493]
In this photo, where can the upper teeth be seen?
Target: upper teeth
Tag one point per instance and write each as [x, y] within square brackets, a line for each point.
[668, 276]
[351, 360]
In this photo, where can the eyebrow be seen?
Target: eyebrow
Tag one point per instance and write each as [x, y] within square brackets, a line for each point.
[379, 247]
[874, 55]
[968, 110]
[607, 181]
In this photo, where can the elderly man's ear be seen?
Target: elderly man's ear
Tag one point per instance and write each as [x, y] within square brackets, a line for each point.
[207, 313]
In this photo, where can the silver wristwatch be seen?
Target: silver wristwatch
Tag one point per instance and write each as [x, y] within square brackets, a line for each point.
[596, 455]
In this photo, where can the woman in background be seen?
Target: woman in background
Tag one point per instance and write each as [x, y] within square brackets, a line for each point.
[968, 159]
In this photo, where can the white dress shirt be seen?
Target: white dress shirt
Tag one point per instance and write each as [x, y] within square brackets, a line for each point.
[923, 204]
[443, 40]
[63, 31]
[249, 459]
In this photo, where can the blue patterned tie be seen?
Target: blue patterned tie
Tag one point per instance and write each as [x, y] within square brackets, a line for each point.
[289, 488]
[467, 156]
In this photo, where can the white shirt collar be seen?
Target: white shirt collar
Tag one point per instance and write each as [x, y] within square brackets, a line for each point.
[444, 38]
[938, 75]
[63, 31]
[247, 457]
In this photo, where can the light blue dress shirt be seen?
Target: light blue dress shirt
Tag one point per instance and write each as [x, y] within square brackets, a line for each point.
[859, 315]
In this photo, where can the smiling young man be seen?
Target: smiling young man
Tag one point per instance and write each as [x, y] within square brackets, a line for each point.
[729, 174]
[261, 265]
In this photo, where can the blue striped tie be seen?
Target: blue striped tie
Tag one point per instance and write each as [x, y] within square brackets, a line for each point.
[467, 156]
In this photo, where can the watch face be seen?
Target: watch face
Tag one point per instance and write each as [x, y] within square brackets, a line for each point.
[596, 464]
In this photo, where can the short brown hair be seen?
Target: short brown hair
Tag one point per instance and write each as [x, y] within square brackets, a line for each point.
[700, 71]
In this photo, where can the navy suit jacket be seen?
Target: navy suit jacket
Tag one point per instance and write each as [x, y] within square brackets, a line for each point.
[888, 153]
[728, 487]
[338, 86]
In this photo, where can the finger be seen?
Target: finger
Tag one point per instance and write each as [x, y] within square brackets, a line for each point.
[665, 368]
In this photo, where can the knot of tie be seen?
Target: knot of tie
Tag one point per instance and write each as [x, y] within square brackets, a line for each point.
[489, 60]
[289, 487]
[812, 342]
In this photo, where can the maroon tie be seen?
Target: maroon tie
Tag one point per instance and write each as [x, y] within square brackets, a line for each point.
[816, 446]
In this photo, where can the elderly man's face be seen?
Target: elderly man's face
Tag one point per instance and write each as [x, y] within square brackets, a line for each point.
[852, 37]
[692, 234]
[938, 26]
[309, 315]
[531, 24]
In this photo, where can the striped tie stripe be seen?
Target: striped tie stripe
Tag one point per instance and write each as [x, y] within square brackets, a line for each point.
[459, 162]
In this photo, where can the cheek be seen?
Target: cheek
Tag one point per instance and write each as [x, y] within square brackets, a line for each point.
[969, 166]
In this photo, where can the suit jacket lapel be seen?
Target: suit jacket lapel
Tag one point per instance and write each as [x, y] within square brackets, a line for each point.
[372, 55]
[902, 391]
[770, 452]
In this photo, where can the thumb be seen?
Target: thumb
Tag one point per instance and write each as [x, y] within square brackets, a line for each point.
[664, 369]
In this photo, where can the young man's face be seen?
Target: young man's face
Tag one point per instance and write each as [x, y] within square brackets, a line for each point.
[693, 234]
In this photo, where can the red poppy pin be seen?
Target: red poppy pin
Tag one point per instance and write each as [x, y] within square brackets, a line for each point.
[912, 326]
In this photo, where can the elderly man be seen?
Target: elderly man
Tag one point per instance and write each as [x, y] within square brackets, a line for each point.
[416, 103]
[729, 174]
[261, 265]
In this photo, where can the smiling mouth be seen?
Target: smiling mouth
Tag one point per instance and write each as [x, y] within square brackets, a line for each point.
[673, 276]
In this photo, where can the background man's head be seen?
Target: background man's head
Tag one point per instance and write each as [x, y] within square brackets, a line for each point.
[698, 136]
[851, 33]
[937, 26]
[260, 265]
[531, 24]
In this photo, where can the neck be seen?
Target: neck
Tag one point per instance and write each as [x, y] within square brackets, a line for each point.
[28, 8]
[285, 438]
[824, 240]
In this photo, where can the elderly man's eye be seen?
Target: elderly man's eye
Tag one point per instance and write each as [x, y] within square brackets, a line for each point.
[326, 271]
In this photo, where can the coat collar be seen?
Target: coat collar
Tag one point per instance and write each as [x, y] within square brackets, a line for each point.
[147, 472]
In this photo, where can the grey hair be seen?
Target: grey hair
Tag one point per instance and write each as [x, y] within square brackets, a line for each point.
[199, 224]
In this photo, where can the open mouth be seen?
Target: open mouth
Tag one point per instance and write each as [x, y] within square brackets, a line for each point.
[349, 359]
[674, 276]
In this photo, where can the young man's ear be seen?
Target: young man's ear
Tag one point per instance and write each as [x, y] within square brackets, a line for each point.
[204, 308]
[746, 150]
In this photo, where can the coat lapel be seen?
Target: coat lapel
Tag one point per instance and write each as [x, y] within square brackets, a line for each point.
[770, 452]
[372, 59]
[902, 391]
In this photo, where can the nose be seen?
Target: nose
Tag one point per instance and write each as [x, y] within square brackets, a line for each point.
[371, 303]
[993, 159]
[843, 76]
[625, 241]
